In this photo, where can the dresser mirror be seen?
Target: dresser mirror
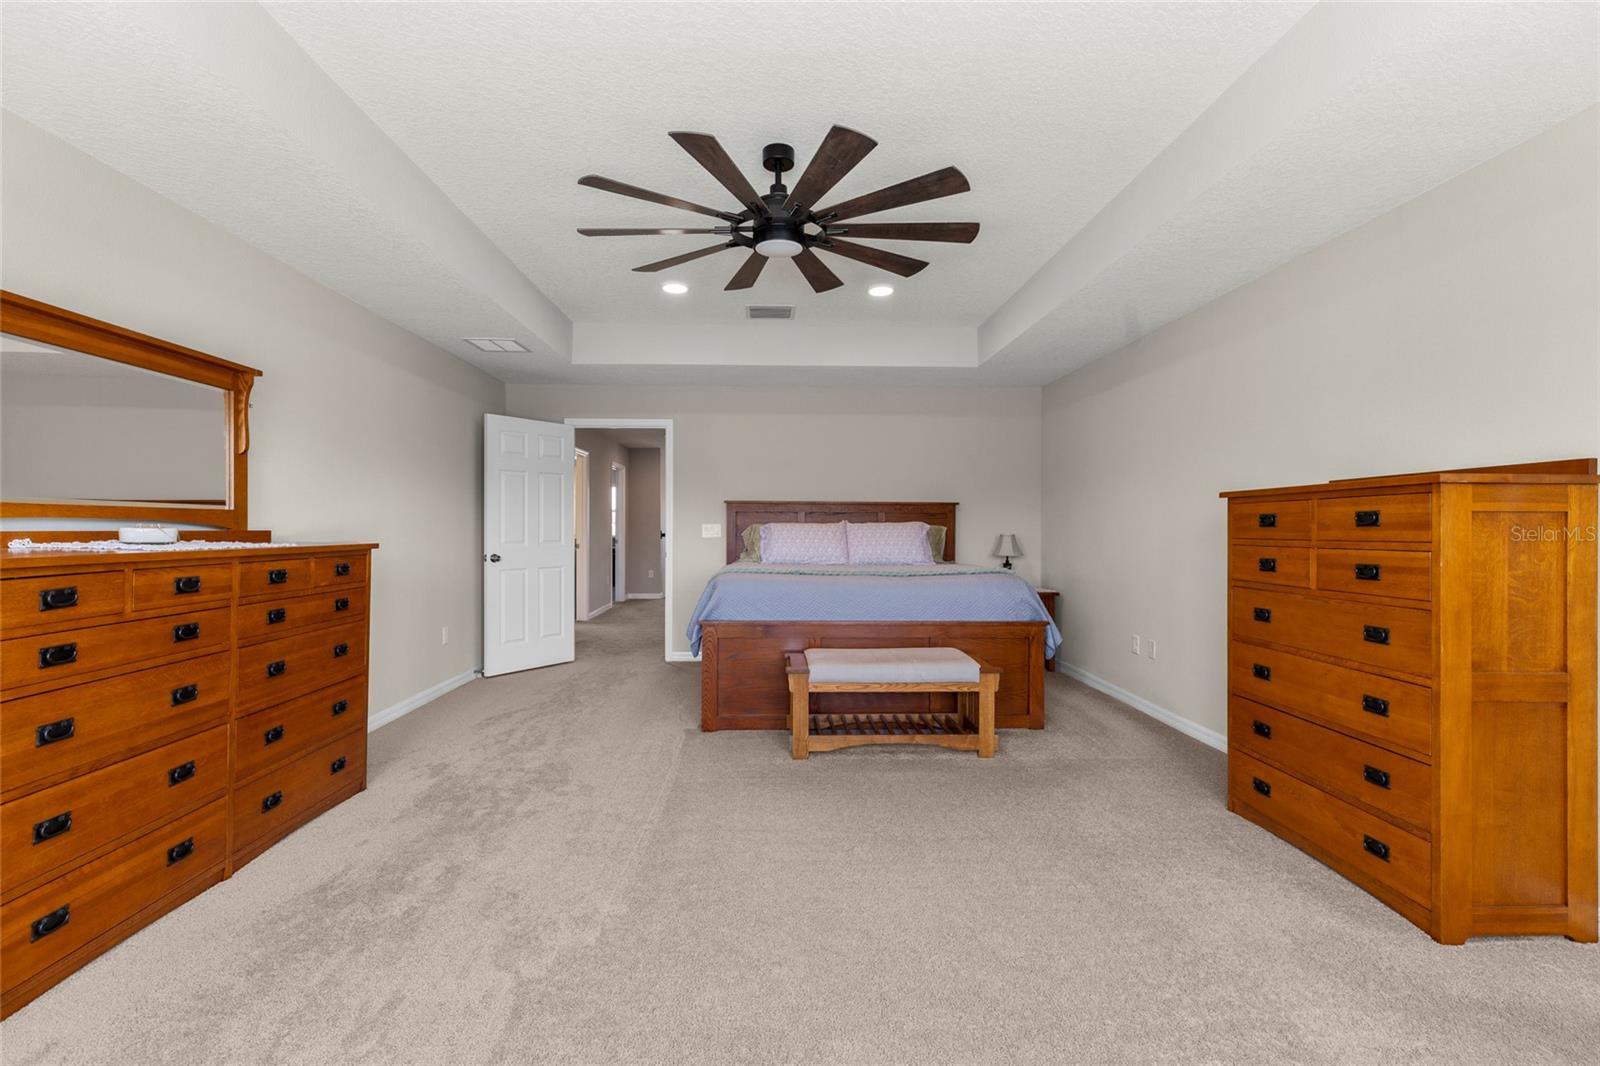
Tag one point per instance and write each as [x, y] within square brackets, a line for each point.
[98, 421]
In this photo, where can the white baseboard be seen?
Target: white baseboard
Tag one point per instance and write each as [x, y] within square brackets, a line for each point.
[411, 703]
[598, 611]
[645, 595]
[1170, 718]
[682, 657]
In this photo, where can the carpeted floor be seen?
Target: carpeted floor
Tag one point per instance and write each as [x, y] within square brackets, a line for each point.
[559, 867]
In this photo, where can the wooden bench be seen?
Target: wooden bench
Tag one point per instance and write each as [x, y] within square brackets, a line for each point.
[970, 727]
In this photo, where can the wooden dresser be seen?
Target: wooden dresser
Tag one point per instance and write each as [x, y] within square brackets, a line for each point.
[1411, 678]
[165, 717]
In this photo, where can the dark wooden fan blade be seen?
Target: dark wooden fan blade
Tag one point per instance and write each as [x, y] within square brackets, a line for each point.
[816, 271]
[903, 265]
[946, 182]
[954, 232]
[841, 150]
[595, 181]
[590, 232]
[748, 273]
[675, 260]
[709, 154]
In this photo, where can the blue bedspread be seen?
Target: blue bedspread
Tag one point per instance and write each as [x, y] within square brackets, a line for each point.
[945, 592]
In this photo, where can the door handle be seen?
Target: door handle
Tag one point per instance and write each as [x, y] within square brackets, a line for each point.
[494, 558]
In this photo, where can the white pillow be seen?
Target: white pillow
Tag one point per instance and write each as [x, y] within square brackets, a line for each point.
[888, 543]
[804, 542]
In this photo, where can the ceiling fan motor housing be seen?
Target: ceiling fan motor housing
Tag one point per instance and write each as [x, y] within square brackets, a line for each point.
[779, 238]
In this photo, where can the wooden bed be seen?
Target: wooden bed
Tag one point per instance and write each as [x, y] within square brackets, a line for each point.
[743, 680]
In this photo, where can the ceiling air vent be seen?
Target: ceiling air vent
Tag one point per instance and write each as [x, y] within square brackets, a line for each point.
[495, 344]
[768, 311]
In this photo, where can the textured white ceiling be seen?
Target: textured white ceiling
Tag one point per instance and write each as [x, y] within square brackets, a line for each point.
[1067, 119]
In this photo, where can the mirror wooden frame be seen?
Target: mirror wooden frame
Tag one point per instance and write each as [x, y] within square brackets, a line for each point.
[48, 324]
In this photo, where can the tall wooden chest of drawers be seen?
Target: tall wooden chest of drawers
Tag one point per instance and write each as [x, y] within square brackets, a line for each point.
[1411, 689]
[165, 717]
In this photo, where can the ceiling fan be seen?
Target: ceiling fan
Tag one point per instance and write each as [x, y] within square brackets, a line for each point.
[787, 225]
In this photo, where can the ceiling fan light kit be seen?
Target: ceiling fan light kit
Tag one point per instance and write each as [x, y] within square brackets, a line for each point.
[785, 224]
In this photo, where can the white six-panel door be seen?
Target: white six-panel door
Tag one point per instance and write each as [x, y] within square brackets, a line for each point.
[528, 569]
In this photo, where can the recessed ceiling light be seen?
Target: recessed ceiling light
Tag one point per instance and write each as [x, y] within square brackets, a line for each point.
[676, 288]
[881, 290]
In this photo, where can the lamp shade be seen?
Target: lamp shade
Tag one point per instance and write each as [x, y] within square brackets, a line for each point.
[1006, 545]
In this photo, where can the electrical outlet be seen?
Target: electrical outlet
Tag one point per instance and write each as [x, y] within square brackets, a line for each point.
[444, 634]
[711, 529]
[649, 573]
[1136, 644]
[1150, 646]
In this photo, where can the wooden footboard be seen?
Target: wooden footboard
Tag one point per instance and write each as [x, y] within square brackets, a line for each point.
[743, 683]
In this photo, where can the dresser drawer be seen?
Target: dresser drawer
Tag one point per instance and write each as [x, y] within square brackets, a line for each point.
[274, 577]
[76, 728]
[340, 569]
[63, 601]
[1402, 575]
[182, 586]
[1343, 765]
[53, 828]
[1351, 840]
[1391, 713]
[1270, 564]
[56, 919]
[1403, 517]
[272, 802]
[1396, 638]
[276, 617]
[282, 669]
[62, 656]
[291, 729]
[1269, 520]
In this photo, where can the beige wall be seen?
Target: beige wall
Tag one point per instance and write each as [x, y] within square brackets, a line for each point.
[979, 447]
[359, 430]
[603, 451]
[644, 522]
[1457, 330]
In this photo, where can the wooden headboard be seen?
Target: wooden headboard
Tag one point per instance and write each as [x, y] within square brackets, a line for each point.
[742, 513]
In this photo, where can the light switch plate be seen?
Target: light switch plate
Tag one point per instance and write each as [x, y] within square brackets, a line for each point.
[711, 529]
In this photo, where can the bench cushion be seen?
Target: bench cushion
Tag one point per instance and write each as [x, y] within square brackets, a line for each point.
[923, 666]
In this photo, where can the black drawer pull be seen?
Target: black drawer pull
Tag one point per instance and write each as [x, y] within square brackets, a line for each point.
[185, 694]
[1369, 572]
[1376, 847]
[271, 801]
[341, 650]
[183, 586]
[186, 631]
[1261, 729]
[1375, 705]
[341, 604]
[1261, 786]
[337, 765]
[1375, 634]
[1368, 518]
[340, 706]
[1262, 614]
[273, 735]
[1261, 672]
[43, 927]
[276, 668]
[56, 599]
[276, 615]
[341, 569]
[57, 655]
[1375, 776]
[52, 827]
[51, 732]
[1267, 565]
[1267, 521]
[180, 851]
[179, 774]
[277, 577]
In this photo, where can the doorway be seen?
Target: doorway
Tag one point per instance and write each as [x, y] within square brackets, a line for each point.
[580, 522]
[642, 515]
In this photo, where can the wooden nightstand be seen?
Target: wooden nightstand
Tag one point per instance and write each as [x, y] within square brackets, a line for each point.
[1048, 598]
